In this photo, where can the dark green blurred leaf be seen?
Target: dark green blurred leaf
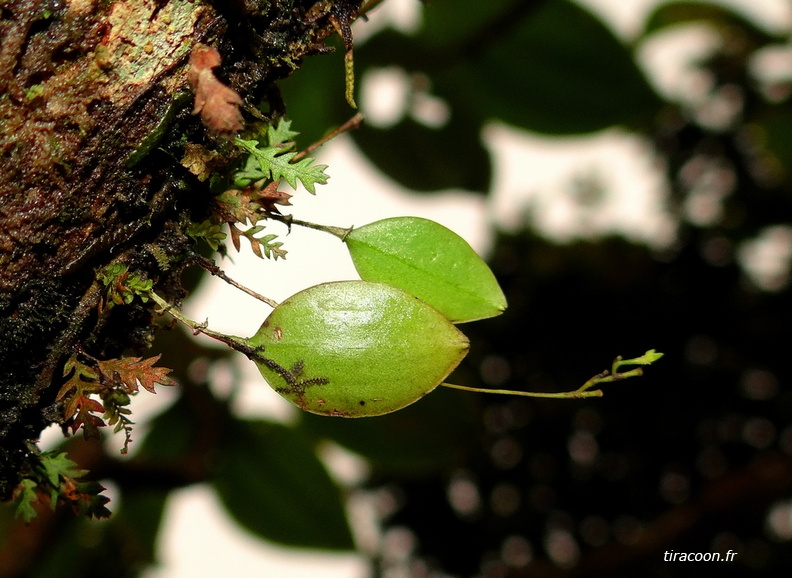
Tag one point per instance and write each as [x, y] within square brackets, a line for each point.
[137, 524]
[76, 547]
[448, 23]
[273, 484]
[415, 155]
[714, 13]
[775, 136]
[556, 70]
[85, 548]
[425, 437]
[172, 434]
[427, 159]
[314, 97]
[391, 48]
[180, 350]
[547, 66]
[69, 555]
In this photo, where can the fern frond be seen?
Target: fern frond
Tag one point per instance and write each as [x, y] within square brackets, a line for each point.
[273, 163]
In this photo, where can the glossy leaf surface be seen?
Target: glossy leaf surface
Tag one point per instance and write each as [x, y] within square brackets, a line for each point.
[356, 349]
[429, 261]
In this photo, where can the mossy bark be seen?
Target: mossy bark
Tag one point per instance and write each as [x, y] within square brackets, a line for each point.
[94, 113]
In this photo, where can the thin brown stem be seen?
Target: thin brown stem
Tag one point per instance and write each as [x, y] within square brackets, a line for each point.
[288, 220]
[352, 124]
[236, 343]
[218, 272]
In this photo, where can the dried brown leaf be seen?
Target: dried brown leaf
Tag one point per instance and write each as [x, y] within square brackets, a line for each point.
[132, 370]
[271, 196]
[217, 104]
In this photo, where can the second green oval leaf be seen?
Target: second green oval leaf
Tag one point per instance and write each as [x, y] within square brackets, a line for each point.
[429, 261]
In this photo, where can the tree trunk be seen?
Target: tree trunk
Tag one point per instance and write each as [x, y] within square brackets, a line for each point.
[95, 109]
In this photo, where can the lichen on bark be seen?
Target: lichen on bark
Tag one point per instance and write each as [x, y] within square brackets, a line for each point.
[94, 111]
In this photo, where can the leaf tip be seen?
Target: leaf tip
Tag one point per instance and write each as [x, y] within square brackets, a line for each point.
[650, 357]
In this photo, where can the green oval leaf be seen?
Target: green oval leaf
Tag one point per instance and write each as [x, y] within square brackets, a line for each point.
[429, 261]
[356, 349]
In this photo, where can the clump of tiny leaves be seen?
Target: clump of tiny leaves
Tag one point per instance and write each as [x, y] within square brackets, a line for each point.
[253, 193]
[96, 394]
[56, 479]
[121, 286]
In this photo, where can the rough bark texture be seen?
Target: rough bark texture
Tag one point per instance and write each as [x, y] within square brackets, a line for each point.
[94, 111]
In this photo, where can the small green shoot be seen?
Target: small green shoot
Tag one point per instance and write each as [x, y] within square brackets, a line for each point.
[211, 233]
[586, 389]
[123, 286]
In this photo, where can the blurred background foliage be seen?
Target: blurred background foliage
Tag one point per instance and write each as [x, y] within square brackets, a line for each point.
[695, 457]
